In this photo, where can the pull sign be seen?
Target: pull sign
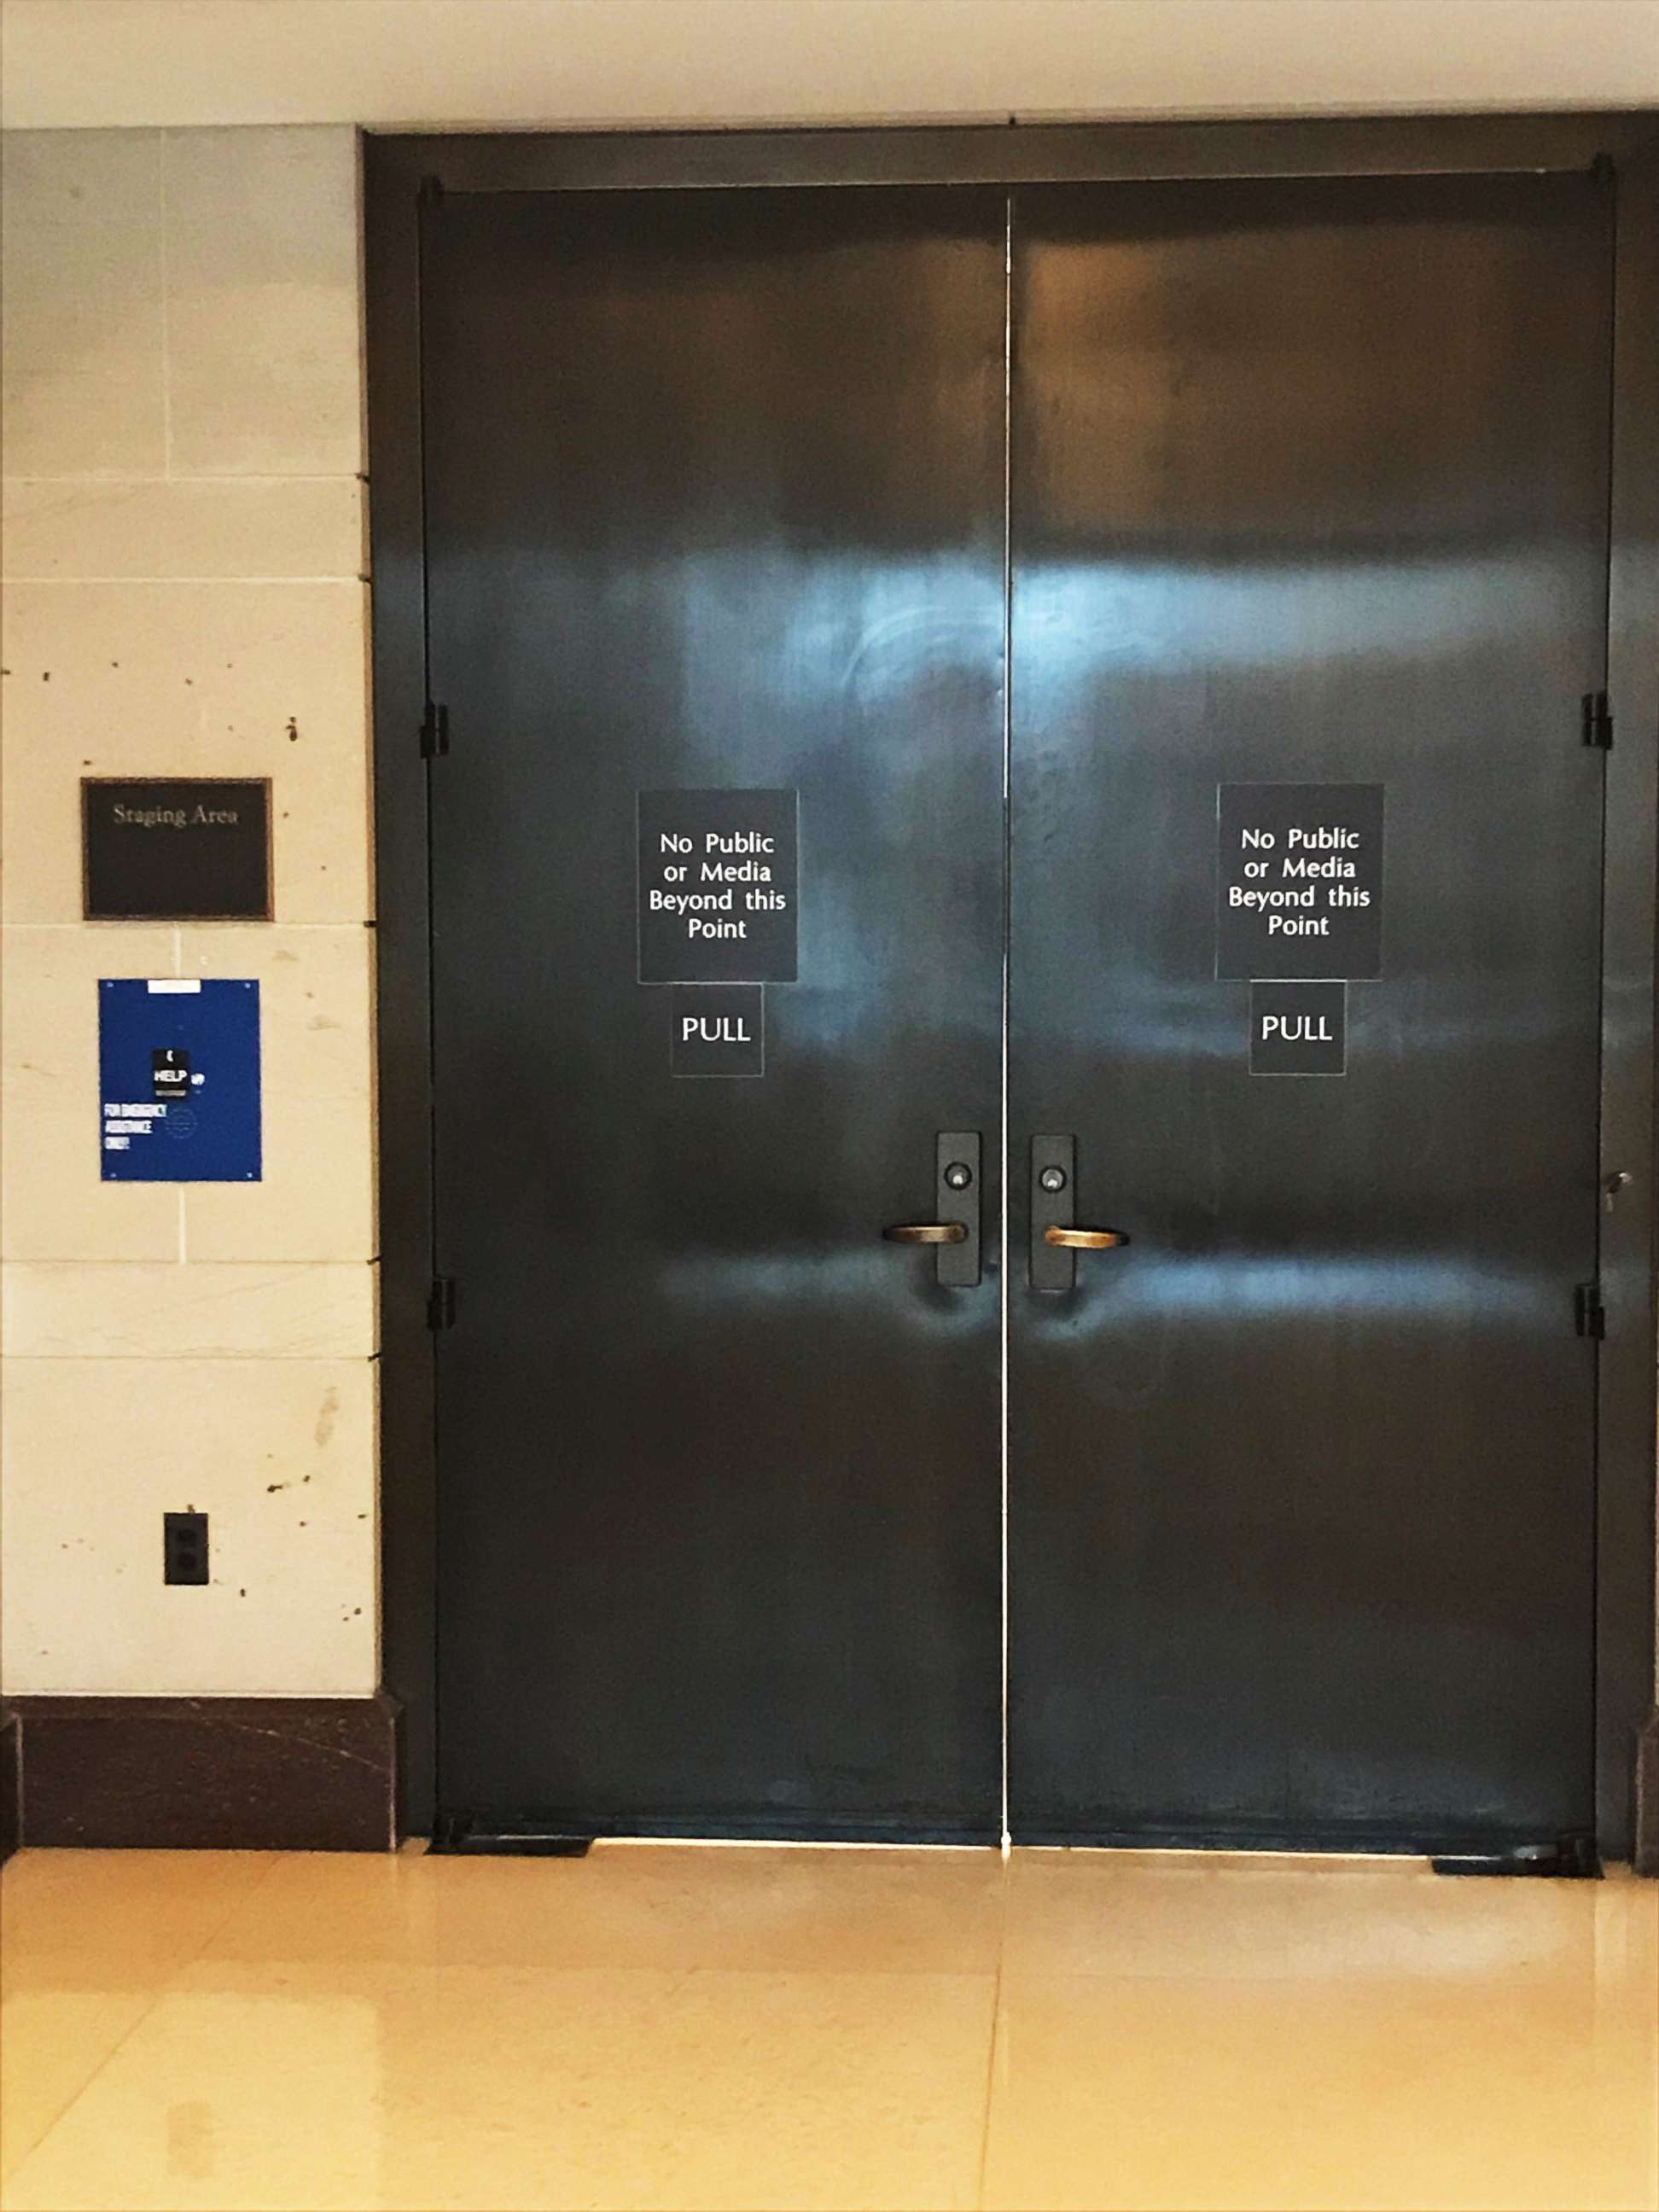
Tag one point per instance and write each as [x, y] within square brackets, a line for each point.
[1298, 1028]
[717, 1029]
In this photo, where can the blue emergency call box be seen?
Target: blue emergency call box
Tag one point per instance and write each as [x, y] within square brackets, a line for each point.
[179, 1080]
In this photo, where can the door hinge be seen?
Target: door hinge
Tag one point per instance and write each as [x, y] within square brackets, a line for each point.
[1598, 720]
[441, 1303]
[1589, 1312]
[435, 731]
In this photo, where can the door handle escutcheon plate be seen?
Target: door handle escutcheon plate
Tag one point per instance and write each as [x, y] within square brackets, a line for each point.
[955, 1233]
[1051, 1264]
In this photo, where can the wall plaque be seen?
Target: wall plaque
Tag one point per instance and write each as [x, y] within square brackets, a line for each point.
[717, 887]
[179, 1080]
[1298, 1028]
[1299, 879]
[161, 850]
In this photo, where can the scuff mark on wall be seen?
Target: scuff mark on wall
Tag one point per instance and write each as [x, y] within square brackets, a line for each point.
[327, 1414]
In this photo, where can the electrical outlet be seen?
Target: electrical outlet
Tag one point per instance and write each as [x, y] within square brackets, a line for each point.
[184, 1547]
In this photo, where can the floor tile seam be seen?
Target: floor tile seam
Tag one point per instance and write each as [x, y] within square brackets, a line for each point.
[70, 2103]
[1003, 1906]
[170, 1975]
[989, 2091]
[266, 1873]
[169, 1965]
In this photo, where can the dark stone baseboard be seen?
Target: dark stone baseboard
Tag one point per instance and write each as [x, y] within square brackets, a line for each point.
[299, 1774]
[1645, 1854]
[8, 1786]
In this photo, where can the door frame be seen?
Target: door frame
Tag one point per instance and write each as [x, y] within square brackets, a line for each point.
[404, 170]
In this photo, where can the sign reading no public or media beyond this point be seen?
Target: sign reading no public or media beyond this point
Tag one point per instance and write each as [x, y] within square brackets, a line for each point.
[717, 887]
[1298, 880]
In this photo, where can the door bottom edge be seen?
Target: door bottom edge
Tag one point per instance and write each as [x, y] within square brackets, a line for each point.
[1314, 1842]
[571, 1833]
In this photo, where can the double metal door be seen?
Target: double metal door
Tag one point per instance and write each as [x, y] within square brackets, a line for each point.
[956, 588]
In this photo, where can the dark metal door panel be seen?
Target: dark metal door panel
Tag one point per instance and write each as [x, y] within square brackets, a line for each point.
[715, 499]
[1309, 485]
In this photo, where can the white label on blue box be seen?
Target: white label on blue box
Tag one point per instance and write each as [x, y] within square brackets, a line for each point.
[179, 1080]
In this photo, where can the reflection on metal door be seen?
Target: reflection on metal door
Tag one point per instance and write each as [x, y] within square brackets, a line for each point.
[715, 550]
[1309, 519]
[1298, 538]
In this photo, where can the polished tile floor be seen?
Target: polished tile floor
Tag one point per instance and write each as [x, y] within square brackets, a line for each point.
[671, 2026]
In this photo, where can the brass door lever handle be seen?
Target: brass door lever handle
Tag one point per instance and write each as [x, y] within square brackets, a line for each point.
[926, 1232]
[1083, 1240]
